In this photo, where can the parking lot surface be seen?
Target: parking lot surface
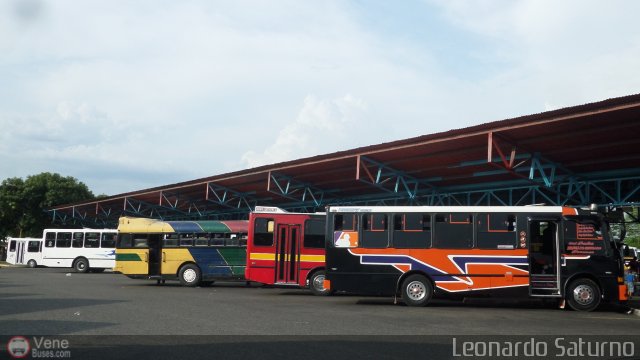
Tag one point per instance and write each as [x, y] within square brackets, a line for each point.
[59, 302]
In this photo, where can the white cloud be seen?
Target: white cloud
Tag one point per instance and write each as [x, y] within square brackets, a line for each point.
[565, 53]
[321, 126]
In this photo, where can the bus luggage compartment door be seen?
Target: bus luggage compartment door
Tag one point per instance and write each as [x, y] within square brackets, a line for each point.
[287, 254]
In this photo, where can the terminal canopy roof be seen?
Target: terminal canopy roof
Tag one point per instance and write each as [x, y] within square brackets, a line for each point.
[572, 156]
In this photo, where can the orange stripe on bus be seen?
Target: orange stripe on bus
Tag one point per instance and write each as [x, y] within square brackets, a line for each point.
[569, 211]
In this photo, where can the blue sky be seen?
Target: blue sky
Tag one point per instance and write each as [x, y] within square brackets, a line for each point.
[126, 95]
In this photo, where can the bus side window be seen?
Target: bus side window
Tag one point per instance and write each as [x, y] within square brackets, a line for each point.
[217, 239]
[50, 239]
[201, 239]
[232, 240]
[345, 222]
[12, 246]
[140, 241]
[453, 231]
[375, 232]
[124, 241]
[497, 231]
[170, 240]
[108, 240]
[412, 230]
[263, 232]
[63, 240]
[34, 246]
[584, 239]
[314, 234]
[186, 239]
[77, 240]
[91, 240]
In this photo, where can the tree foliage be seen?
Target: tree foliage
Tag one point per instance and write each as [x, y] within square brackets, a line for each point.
[633, 228]
[23, 203]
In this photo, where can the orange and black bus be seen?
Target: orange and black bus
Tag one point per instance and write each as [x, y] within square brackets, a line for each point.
[419, 252]
[286, 249]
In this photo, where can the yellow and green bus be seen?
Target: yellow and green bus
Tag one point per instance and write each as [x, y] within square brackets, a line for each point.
[193, 252]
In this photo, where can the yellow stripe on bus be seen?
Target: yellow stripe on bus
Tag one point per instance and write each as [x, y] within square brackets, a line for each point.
[272, 257]
[312, 258]
[262, 256]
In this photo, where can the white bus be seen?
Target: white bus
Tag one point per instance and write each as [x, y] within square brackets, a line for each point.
[80, 249]
[25, 251]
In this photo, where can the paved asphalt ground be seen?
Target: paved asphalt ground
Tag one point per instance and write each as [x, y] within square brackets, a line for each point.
[63, 303]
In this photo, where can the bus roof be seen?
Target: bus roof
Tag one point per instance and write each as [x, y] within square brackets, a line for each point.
[277, 210]
[77, 230]
[144, 225]
[24, 238]
[466, 209]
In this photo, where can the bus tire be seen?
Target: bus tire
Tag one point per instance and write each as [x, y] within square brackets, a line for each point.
[416, 290]
[81, 265]
[316, 284]
[190, 275]
[583, 295]
[32, 263]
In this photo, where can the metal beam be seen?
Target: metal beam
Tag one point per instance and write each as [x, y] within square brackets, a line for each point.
[292, 189]
[137, 207]
[391, 180]
[229, 198]
[540, 169]
[614, 191]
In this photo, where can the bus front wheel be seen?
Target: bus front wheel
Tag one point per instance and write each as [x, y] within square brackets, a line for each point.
[81, 265]
[32, 263]
[416, 290]
[583, 295]
[190, 275]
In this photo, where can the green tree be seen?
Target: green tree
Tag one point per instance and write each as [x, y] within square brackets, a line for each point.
[633, 228]
[12, 206]
[23, 204]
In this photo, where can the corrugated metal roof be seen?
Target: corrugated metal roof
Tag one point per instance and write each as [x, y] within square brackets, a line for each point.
[589, 142]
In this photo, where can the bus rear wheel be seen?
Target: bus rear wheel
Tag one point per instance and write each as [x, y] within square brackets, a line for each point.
[416, 290]
[583, 295]
[32, 263]
[190, 275]
[81, 265]
[316, 284]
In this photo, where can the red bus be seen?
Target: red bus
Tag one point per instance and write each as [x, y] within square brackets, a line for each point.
[286, 249]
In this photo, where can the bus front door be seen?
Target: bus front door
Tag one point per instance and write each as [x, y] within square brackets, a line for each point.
[287, 254]
[20, 252]
[154, 255]
[544, 259]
